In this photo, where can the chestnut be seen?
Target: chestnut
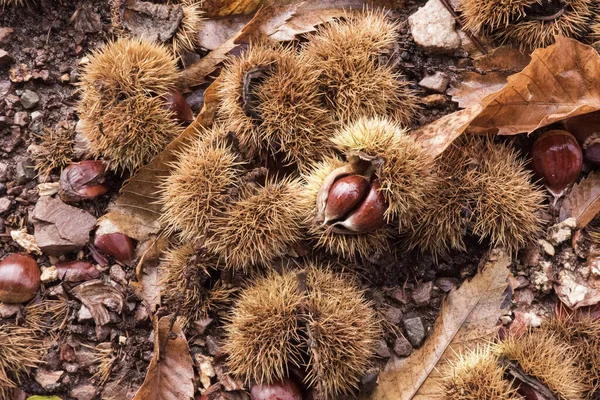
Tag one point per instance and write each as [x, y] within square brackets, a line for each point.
[19, 278]
[177, 104]
[284, 389]
[557, 159]
[586, 128]
[345, 194]
[116, 245]
[370, 214]
[83, 180]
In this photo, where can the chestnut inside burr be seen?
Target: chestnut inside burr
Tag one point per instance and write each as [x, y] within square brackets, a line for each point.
[546, 10]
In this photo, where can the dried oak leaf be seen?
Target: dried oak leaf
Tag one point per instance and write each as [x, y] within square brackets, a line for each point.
[170, 374]
[154, 22]
[490, 75]
[583, 202]
[468, 315]
[99, 297]
[225, 8]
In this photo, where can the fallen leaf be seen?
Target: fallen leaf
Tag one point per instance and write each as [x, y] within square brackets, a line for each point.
[491, 74]
[562, 81]
[583, 202]
[575, 290]
[215, 32]
[44, 398]
[225, 8]
[147, 287]
[170, 374]
[154, 22]
[99, 297]
[468, 315]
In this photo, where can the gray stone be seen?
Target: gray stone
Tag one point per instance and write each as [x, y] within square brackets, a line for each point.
[4, 88]
[24, 171]
[5, 121]
[5, 58]
[212, 345]
[402, 347]
[399, 295]
[36, 115]
[29, 99]
[415, 331]
[83, 392]
[5, 204]
[383, 350]
[433, 28]
[446, 284]
[60, 228]
[393, 315]
[437, 82]
[21, 118]
[3, 172]
[422, 293]
[84, 314]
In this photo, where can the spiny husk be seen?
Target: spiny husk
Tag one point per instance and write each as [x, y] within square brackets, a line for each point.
[122, 106]
[55, 150]
[186, 37]
[262, 336]
[197, 188]
[505, 202]
[403, 168]
[294, 122]
[322, 320]
[234, 83]
[507, 22]
[543, 355]
[263, 224]
[21, 349]
[183, 279]
[348, 247]
[357, 81]
[475, 375]
[47, 315]
[583, 334]
[343, 332]
[441, 225]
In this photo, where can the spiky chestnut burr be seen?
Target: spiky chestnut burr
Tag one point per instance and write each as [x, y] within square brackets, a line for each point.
[555, 363]
[353, 56]
[21, 349]
[186, 36]
[529, 23]
[184, 273]
[476, 375]
[381, 148]
[347, 246]
[240, 79]
[124, 89]
[263, 224]
[55, 149]
[314, 316]
[197, 188]
[504, 201]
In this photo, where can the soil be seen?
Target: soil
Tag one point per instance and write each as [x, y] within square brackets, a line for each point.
[49, 41]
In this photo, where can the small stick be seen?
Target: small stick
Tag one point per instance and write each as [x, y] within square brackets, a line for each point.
[470, 34]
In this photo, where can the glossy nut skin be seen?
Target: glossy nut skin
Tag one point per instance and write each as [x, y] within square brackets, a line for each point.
[279, 390]
[19, 278]
[583, 127]
[177, 104]
[345, 195]
[81, 181]
[117, 245]
[370, 214]
[557, 159]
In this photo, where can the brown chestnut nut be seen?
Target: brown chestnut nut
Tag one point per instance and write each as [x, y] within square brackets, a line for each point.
[116, 245]
[83, 180]
[284, 389]
[345, 194]
[19, 278]
[557, 159]
[586, 129]
[370, 214]
[177, 104]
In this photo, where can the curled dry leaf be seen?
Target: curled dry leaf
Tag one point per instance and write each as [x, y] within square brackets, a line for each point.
[491, 74]
[170, 375]
[99, 297]
[154, 22]
[583, 202]
[225, 8]
[468, 315]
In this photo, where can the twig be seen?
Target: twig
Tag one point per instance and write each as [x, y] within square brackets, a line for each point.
[461, 26]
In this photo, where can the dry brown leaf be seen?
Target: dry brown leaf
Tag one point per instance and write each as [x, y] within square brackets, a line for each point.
[215, 32]
[99, 297]
[490, 75]
[225, 8]
[583, 202]
[170, 374]
[467, 316]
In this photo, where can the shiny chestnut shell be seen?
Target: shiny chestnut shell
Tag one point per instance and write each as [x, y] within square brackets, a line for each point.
[370, 214]
[83, 180]
[345, 194]
[557, 159]
[19, 278]
[117, 245]
[583, 127]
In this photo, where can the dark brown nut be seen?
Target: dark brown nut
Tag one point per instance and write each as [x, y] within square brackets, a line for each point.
[586, 129]
[557, 159]
[345, 195]
[83, 180]
[19, 278]
[116, 245]
[177, 104]
[370, 214]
